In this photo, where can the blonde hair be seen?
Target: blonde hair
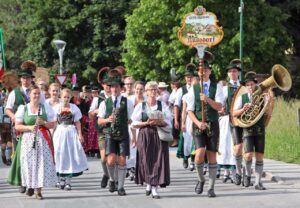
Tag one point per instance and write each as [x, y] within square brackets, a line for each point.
[66, 90]
[54, 85]
[151, 84]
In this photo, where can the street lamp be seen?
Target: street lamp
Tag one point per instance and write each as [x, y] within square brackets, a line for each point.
[60, 45]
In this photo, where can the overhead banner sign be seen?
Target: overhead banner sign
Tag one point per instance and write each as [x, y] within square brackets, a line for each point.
[200, 28]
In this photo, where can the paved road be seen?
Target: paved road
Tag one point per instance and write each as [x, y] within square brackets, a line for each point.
[282, 181]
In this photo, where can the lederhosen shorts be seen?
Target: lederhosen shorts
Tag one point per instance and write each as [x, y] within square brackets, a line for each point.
[202, 140]
[117, 147]
[254, 142]
[101, 140]
[237, 134]
[5, 133]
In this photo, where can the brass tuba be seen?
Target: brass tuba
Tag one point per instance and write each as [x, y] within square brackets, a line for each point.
[280, 78]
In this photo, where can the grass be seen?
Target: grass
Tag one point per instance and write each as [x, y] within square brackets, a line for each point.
[283, 132]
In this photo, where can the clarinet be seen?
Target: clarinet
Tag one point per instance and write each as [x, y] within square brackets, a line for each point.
[35, 133]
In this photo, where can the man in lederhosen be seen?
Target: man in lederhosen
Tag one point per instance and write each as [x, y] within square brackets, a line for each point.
[103, 80]
[114, 114]
[233, 72]
[253, 136]
[206, 135]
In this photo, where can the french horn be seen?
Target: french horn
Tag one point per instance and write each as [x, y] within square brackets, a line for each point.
[280, 78]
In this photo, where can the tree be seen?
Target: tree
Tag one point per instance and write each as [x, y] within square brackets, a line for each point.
[93, 30]
[152, 46]
[14, 37]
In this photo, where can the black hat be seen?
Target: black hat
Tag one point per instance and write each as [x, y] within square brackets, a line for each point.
[114, 78]
[250, 76]
[27, 69]
[95, 88]
[190, 69]
[234, 64]
[86, 88]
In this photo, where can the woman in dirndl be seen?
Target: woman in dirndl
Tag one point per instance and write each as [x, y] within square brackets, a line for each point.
[152, 166]
[37, 159]
[70, 159]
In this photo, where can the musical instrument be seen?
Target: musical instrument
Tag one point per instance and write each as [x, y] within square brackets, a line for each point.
[35, 133]
[280, 78]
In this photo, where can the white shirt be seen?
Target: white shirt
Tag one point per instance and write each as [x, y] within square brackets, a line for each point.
[190, 99]
[178, 95]
[137, 113]
[172, 97]
[102, 107]
[48, 110]
[225, 88]
[95, 101]
[132, 99]
[12, 97]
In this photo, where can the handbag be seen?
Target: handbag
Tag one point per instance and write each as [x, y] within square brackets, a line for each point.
[165, 134]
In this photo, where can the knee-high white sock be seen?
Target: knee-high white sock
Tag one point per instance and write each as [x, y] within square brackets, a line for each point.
[259, 166]
[121, 176]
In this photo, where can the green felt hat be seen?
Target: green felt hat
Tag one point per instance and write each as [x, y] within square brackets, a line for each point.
[27, 68]
[250, 76]
[114, 78]
[190, 69]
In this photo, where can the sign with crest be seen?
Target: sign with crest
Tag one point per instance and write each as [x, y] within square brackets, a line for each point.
[200, 28]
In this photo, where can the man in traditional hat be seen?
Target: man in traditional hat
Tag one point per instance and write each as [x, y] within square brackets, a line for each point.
[163, 92]
[103, 80]
[206, 134]
[114, 114]
[253, 136]
[233, 72]
[188, 77]
[19, 96]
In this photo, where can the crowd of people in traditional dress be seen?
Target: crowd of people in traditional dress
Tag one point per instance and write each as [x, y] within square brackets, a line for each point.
[54, 129]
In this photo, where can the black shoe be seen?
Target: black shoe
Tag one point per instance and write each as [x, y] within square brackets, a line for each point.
[185, 164]
[247, 181]
[30, 192]
[226, 178]
[238, 179]
[211, 193]
[199, 187]
[104, 181]
[259, 187]
[218, 173]
[116, 186]
[22, 189]
[8, 163]
[4, 160]
[148, 193]
[121, 192]
[111, 186]
[68, 187]
[155, 196]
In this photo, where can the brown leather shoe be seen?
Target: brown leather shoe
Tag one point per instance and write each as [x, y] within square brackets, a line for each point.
[174, 144]
[39, 196]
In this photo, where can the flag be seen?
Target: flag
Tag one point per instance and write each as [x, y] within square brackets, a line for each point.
[2, 64]
[74, 79]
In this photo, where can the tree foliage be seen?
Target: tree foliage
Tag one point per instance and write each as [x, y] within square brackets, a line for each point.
[152, 46]
[93, 30]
